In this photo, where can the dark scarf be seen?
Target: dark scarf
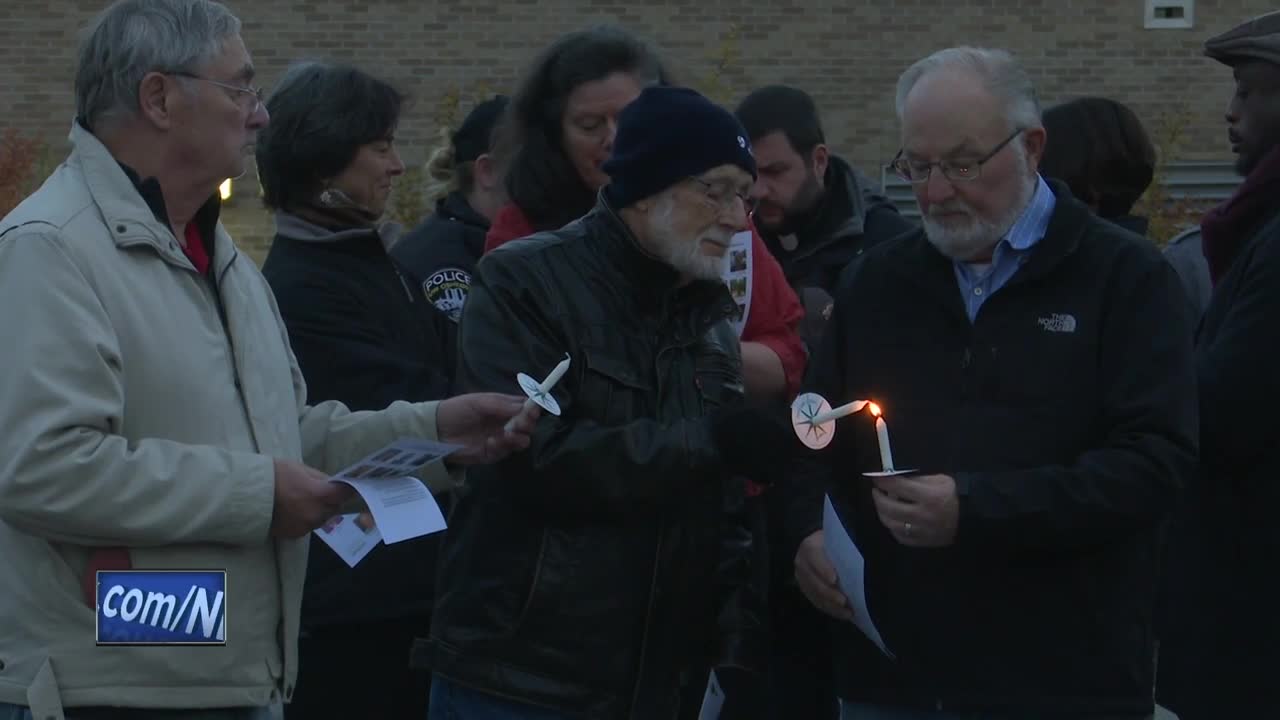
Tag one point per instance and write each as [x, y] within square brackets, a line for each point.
[1226, 228]
[334, 211]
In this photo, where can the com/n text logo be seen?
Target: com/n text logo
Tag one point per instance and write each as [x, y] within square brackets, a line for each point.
[162, 607]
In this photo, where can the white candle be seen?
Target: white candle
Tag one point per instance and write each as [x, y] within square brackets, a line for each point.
[886, 455]
[837, 413]
[554, 377]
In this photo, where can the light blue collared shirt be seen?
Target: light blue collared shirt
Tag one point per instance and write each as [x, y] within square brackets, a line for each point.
[1010, 253]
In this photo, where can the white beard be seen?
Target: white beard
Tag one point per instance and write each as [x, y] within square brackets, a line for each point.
[684, 254]
[974, 237]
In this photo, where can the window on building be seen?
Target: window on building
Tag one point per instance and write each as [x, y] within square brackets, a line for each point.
[1169, 14]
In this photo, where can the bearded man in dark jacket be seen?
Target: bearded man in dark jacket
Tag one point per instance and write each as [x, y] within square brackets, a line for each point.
[1034, 367]
[610, 565]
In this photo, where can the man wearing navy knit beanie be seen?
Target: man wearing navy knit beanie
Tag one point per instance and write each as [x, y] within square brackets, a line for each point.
[594, 574]
[673, 136]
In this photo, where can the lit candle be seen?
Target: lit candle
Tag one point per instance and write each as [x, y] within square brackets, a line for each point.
[555, 376]
[882, 434]
[837, 413]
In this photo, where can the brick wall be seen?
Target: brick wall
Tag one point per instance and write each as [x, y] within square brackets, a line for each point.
[847, 54]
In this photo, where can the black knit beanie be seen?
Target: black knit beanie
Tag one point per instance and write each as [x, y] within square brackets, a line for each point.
[668, 134]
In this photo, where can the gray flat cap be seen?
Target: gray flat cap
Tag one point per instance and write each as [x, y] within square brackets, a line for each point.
[1257, 39]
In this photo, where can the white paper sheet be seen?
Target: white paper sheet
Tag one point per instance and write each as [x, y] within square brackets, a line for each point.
[351, 536]
[712, 700]
[402, 507]
[401, 504]
[850, 568]
[737, 275]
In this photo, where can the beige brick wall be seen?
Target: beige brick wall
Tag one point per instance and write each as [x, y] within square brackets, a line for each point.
[848, 54]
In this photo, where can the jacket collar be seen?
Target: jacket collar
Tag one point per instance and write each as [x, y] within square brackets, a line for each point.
[454, 207]
[133, 207]
[1133, 223]
[650, 278]
[301, 229]
[920, 263]
[839, 216]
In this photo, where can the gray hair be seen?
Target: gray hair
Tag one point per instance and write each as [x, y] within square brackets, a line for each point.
[1003, 76]
[134, 37]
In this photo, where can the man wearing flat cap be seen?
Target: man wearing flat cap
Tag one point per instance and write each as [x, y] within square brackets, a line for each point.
[1220, 647]
[602, 569]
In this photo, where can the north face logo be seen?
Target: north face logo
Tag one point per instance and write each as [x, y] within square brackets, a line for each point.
[1059, 322]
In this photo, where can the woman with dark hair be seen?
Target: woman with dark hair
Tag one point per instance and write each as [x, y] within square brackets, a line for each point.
[362, 336]
[556, 136]
[1099, 148]
[466, 188]
[561, 125]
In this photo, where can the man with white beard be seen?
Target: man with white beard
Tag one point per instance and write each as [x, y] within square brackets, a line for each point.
[1033, 364]
[609, 565]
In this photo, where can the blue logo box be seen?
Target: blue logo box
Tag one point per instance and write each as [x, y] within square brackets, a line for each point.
[162, 607]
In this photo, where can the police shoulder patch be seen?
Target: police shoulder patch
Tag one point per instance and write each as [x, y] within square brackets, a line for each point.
[447, 290]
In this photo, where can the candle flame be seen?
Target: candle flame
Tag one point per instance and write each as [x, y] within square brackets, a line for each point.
[874, 408]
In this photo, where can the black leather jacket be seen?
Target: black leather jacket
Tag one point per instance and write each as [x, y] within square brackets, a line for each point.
[588, 573]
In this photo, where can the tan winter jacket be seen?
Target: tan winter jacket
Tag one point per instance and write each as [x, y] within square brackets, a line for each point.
[133, 417]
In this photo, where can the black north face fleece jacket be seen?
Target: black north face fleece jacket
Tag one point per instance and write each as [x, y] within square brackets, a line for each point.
[1067, 414]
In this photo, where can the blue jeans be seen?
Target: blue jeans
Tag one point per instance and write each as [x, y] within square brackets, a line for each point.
[450, 701]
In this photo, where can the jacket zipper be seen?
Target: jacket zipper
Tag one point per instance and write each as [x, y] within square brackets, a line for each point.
[215, 283]
[657, 555]
[648, 624]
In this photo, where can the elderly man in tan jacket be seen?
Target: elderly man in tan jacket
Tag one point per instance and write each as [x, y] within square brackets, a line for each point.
[153, 414]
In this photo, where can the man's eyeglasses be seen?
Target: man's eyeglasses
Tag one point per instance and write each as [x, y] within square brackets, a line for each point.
[956, 171]
[722, 195]
[247, 97]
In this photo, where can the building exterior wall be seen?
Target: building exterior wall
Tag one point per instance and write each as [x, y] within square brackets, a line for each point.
[847, 54]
